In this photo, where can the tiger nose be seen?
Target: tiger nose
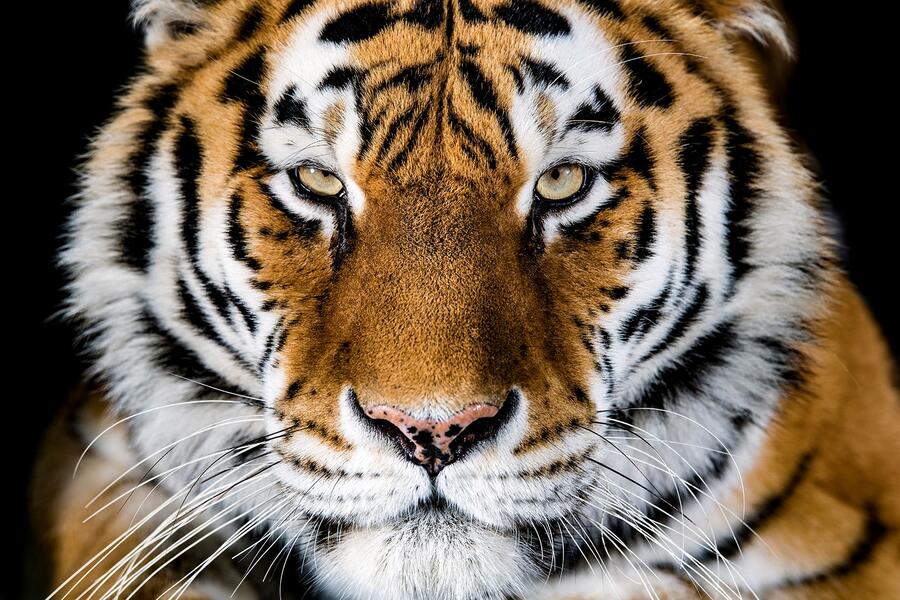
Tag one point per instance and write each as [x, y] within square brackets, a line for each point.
[435, 443]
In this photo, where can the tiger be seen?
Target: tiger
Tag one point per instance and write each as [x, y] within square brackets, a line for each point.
[459, 300]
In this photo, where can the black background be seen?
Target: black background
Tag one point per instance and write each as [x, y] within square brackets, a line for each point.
[72, 57]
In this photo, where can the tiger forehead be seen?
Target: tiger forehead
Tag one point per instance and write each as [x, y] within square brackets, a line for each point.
[436, 76]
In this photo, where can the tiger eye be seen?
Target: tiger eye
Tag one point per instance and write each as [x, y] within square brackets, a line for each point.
[319, 182]
[560, 182]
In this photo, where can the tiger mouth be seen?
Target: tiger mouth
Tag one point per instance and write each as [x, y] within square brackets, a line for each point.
[546, 542]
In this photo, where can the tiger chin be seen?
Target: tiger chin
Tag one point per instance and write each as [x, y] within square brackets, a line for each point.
[464, 299]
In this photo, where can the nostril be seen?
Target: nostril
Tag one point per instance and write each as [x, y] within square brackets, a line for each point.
[398, 433]
[435, 443]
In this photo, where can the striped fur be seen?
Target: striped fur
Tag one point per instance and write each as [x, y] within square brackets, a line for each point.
[698, 404]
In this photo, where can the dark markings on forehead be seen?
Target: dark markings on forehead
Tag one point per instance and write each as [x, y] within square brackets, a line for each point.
[368, 20]
[427, 13]
[597, 115]
[544, 74]
[532, 18]
[340, 78]
[470, 12]
[294, 9]
[403, 154]
[412, 78]
[361, 23]
[483, 92]
[646, 84]
[607, 8]
[392, 130]
[291, 110]
[468, 135]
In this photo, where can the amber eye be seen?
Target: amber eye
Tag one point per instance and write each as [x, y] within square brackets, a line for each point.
[561, 182]
[319, 182]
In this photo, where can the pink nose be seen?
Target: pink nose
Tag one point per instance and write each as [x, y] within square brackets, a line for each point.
[436, 443]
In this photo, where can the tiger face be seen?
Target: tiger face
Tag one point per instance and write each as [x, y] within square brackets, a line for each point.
[447, 253]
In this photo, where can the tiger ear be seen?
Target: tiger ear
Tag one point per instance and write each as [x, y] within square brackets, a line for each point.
[759, 31]
[760, 22]
[163, 20]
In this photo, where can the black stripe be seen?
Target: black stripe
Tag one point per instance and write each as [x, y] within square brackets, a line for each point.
[172, 356]
[250, 23]
[544, 74]
[653, 23]
[688, 372]
[243, 85]
[597, 115]
[729, 546]
[790, 363]
[688, 317]
[744, 166]
[469, 135]
[291, 110]
[694, 146]
[646, 234]
[413, 78]
[400, 159]
[270, 345]
[532, 18]
[340, 78]
[194, 315]
[861, 552]
[138, 226]
[236, 234]
[295, 8]
[189, 163]
[484, 95]
[364, 22]
[647, 85]
[246, 314]
[607, 8]
[427, 13]
[637, 158]
[392, 130]
[518, 79]
[647, 316]
[303, 229]
[470, 12]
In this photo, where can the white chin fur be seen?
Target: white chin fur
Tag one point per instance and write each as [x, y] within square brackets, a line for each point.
[430, 555]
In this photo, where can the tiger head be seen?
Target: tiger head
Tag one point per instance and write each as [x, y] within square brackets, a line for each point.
[431, 263]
